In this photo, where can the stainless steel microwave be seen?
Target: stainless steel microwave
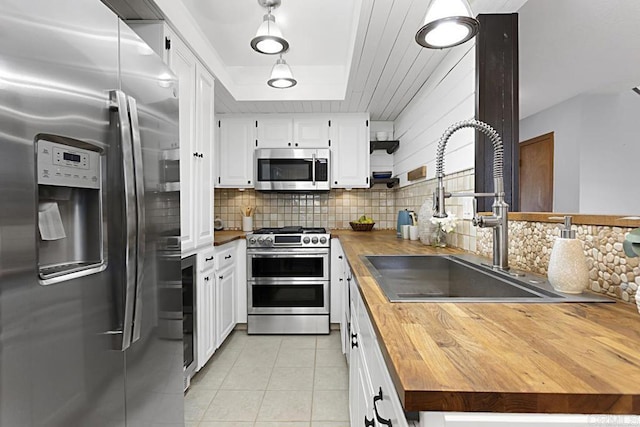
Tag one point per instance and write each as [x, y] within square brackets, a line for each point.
[292, 169]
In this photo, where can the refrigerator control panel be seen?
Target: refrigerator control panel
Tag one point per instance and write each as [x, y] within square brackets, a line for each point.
[67, 165]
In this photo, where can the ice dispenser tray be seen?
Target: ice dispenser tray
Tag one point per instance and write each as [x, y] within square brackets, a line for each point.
[70, 205]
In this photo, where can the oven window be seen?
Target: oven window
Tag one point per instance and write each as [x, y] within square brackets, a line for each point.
[264, 296]
[287, 267]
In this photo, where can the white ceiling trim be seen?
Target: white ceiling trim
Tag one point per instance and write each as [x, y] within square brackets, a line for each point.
[248, 83]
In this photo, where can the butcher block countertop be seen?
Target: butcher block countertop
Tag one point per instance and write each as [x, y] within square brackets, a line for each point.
[500, 357]
[226, 236]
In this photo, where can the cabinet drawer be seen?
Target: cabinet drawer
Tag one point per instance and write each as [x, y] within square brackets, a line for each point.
[225, 256]
[206, 260]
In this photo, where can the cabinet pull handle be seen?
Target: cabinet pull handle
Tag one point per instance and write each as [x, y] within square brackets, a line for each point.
[209, 259]
[368, 423]
[195, 154]
[381, 420]
[354, 340]
[227, 257]
[221, 277]
[339, 256]
[289, 144]
[206, 279]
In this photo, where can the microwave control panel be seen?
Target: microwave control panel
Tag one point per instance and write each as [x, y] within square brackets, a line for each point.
[67, 166]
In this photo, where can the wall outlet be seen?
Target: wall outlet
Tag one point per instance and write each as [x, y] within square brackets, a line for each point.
[467, 208]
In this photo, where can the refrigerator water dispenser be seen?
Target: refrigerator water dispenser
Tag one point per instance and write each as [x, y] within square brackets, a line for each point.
[70, 209]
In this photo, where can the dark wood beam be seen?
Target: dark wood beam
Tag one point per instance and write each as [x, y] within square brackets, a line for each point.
[497, 103]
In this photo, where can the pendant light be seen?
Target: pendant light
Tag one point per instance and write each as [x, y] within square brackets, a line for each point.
[448, 23]
[281, 75]
[268, 39]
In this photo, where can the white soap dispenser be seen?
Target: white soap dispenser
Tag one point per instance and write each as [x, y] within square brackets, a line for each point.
[568, 270]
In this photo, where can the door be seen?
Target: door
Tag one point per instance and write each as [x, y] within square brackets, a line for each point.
[350, 147]
[310, 132]
[226, 303]
[275, 132]
[58, 366]
[237, 141]
[183, 64]
[536, 174]
[202, 178]
[154, 362]
[206, 301]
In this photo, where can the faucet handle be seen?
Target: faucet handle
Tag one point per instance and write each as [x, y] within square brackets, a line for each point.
[476, 219]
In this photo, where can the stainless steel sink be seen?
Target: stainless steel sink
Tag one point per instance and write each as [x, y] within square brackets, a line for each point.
[438, 278]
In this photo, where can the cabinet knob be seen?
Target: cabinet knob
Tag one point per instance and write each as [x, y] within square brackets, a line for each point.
[195, 154]
[336, 182]
[296, 144]
[354, 340]
[289, 144]
[206, 279]
[339, 256]
[221, 277]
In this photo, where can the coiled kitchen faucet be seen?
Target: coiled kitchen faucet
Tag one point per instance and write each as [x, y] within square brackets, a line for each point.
[498, 220]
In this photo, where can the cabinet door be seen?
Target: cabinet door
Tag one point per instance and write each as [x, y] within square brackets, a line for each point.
[202, 177]
[183, 63]
[338, 282]
[205, 298]
[350, 151]
[237, 143]
[311, 132]
[275, 132]
[226, 303]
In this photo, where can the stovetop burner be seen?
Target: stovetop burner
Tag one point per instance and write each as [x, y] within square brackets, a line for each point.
[291, 230]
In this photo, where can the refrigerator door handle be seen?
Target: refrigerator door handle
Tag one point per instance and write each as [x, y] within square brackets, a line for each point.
[119, 103]
[139, 179]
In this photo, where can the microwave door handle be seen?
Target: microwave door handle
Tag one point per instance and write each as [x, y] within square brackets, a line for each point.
[140, 225]
[313, 169]
[119, 104]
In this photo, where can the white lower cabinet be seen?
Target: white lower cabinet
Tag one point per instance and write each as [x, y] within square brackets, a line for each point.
[373, 400]
[205, 308]
[226, 260]
[225, 298]
[340, 278]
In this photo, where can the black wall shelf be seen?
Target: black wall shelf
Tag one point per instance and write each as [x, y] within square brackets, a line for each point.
[390, 146]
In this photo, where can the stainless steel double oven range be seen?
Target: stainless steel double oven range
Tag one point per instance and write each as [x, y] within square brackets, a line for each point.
[288, 281]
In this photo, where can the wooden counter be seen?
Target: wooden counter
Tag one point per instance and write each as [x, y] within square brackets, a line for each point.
[489, 357]
[226, 236]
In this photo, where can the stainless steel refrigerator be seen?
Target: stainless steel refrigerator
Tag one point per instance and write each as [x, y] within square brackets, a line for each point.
[89, 222]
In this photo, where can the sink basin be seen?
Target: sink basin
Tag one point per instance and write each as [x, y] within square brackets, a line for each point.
[445, 278]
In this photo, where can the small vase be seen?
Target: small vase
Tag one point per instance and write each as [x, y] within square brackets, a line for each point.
[439, 238]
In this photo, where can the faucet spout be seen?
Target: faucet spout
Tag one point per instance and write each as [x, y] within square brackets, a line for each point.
[498, 220]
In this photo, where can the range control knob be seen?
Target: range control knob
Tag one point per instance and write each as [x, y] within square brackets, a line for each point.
[268, 241]
[314, 240]
[323, 240]
[306, 240]
[252, 240]
[261, 240]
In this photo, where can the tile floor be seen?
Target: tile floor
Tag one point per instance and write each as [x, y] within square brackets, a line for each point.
[269, 381]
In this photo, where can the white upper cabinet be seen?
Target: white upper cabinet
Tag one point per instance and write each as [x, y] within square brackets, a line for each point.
[311, 132]
[274, 132]
[350, 151]
[237, 136]
[197, 132]
[202, 178]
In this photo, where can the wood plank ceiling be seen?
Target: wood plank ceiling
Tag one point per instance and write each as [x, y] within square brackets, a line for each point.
[387, 70]
[388, 67]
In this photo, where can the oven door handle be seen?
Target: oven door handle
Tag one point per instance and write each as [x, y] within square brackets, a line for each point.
[289, 254]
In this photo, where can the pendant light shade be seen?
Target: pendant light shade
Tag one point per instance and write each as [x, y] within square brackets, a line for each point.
[268, 39]
[448, 23]
[281, 75]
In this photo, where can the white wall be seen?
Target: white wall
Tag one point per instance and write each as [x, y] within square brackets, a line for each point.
[446, 98]
[597, 148]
